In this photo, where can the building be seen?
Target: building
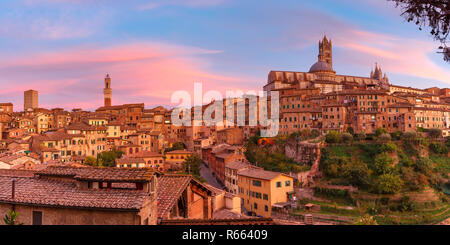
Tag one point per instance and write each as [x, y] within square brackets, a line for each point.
[98, 196]
[231, 174]
[260, 189]
[6, 107]
[176, 158]
[30, 100]
[183, 197]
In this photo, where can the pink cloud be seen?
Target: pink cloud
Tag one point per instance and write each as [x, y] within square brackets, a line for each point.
[141, 72]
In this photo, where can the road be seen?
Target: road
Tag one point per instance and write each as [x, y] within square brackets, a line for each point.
[206, 173]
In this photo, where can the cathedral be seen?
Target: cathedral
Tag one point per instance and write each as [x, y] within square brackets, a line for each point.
[321, 75]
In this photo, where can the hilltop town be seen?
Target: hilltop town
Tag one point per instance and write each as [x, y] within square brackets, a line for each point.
[342, 139]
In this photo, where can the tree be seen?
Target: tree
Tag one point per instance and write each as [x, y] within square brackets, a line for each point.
[108, 158]
[347, 138]
[350, 130]
[177, 146]
[380, 131]
[357, 173]
[431, 13]
[389, 184]
[384, 138]
[192, 165]
[91, 161]
[383, 163]
[435, 133]
[333, 137]
[10, 218]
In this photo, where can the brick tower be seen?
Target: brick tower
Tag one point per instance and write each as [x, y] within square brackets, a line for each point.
[107, 91]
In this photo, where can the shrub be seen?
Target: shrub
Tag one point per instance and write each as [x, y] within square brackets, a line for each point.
[380, 131]
[357, 173]
[396, 135]
[423, 165]
[347, 138]
[409, 137]
[384, 138]
[383, 163]
[350, 130]
[333, 137]
[388, 147]
[361, 136]
[389, 184]
[438, 148]
[435, 133]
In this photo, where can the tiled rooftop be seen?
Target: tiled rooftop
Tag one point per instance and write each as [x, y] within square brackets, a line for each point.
[33, 191]
[100, 174]
[170, 187]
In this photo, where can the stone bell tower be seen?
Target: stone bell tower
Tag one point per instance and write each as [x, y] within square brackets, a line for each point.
[325, 51]
[107, 91]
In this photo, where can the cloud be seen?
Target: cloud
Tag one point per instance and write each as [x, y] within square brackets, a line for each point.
[141, 72]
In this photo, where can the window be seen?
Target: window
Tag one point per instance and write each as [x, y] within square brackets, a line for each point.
[255, 205]
[37, 218]
[256, 182]
[278, 184]
[266, 208]
[288, 183]
[265, 197]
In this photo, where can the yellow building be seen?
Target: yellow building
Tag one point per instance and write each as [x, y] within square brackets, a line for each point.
[177, 157]
[260, 189]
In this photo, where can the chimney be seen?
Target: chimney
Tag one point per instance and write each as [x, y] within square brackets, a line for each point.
[13, 189]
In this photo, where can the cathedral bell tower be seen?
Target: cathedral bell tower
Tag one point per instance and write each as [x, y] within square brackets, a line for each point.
[107, 91]
[325, 51]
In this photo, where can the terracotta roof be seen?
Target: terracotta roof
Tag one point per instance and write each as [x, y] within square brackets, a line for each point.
[145, 154]
[259, 174]
[44, 192]
[100, 174]
[179, 152]
[170, 187]
[130, 160]
[238, 165]
[16, 173]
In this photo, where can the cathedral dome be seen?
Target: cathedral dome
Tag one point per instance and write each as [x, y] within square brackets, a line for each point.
[320, 66]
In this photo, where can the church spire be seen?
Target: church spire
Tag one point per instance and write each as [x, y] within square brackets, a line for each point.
[325, 51]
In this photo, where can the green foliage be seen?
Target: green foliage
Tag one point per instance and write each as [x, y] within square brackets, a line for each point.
[435, 133]
[176, 146]
[272, 160]
[380, 131]
[438, 148]
[384, 138]
[366, 220]
[347, 138]
[356, 172]
[350, 130]
[361, 136]
[388, 147]
[383, 163]
[411, 179]
[410, 137]
[424, 165]
[192, 165]
[396, 135]
[333, 137]
[389, 184]
[11, 218]
[337, 193]
[108, 158]
[91, 161]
